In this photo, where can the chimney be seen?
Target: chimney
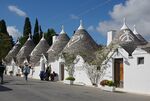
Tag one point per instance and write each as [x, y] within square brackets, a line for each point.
[54, 38]
[110, 35]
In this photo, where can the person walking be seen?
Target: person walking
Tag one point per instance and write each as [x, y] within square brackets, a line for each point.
[26, 70]
[2, 69]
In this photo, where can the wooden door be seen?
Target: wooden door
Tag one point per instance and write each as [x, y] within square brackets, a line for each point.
[118, 72]
[62, 71]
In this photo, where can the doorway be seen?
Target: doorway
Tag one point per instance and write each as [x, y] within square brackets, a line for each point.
[61, 77]
[118, 72]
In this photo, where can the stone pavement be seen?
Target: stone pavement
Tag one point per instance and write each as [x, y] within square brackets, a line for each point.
[17, 89]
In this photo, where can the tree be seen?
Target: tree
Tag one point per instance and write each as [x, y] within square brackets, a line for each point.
[69, 62]
[6, 41]
[36, 34]
[26, 31]
[41, 32]
[3, 28]
[49, 35]
[27, 27]
[96, 69]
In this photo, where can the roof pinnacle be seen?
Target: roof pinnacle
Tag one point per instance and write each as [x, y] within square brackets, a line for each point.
[62, 30]
[81, 25]
[124, 24]
[43, 37]
[29, 38]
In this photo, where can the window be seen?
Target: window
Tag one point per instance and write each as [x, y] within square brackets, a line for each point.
[140, 60]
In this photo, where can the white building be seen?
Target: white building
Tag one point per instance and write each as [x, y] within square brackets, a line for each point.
[38, 60]
[129, 64]
[11, 58]
[80, 43]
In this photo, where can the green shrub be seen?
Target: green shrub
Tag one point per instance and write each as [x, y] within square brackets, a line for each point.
[107, 82]
[70, 78]
[110, 83]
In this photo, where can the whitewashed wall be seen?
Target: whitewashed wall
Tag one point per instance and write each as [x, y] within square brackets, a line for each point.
[80, 74]
[136, 77]
[35, 72]
[56, 67]
[79, 71]
[15, 69]
[121, 53]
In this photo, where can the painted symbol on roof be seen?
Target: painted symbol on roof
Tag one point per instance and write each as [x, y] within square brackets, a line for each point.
[75, 39]
[126, 36]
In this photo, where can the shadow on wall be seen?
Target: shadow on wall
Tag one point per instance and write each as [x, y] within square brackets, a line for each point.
[2, 88]
[126, 62]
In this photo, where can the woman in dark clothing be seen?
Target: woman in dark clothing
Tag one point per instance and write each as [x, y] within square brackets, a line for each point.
[48, 73]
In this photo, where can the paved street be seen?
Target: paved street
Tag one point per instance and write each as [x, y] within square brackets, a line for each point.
[17, 89]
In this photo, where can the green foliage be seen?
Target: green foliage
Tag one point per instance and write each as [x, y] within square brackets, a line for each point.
[69, 62]
[41, 32]
[69, 58]
[22, 40]
[107, 83]
[70, 78]
[3, 28]
[27, 27]
[49, 36]
[36, 34]
[6, 41]
[96, 68]
[26, 31]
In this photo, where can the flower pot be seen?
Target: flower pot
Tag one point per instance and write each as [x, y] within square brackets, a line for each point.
[68, 82]
[108, 88]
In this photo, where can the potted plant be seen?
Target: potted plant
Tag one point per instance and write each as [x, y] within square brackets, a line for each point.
[11, 73]
[69, 80]
[107, 85]
[18, 74]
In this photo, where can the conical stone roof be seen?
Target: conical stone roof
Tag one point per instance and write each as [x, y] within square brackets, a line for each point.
[81, 43]
[127, 39]
[57, 46]
[25, 51]
[41, 48]
[12, 53]
[139, 36]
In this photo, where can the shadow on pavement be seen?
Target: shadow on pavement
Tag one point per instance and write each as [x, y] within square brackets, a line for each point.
[119, 92]
[2, 88]
[23, 84]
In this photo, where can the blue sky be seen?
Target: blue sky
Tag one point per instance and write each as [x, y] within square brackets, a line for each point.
[54, 13]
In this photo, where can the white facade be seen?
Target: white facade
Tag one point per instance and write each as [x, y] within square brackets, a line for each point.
[80, 73]
[81, 77]
[135, 76]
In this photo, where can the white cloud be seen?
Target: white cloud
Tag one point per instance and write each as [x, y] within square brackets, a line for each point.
[72, 16]
[91, 28]
[136, 12]
[16, 10]
[13, 31]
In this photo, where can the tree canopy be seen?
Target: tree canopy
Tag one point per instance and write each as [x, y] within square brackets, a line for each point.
[49, 35]
[6, 41]
[36, 34]
[26, 31]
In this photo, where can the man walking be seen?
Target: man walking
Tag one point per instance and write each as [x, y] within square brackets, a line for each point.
[2, 68]
[26, 70]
